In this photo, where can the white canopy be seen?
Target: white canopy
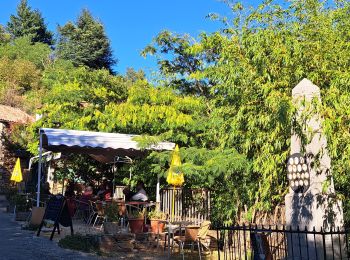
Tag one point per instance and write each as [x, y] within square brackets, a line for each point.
[104, 147]
[101, 146]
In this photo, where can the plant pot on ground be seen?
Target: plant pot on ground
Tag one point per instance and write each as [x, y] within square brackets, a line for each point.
[22, 207]
[111, 225]
[136, 220]
[157, 219]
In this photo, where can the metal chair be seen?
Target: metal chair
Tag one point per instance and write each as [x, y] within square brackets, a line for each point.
[92, 212]
[82, 210]
[199, 239]
[100, 213]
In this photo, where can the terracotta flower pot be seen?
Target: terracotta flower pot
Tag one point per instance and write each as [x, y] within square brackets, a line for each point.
[192, 232]
[157, 224]
[136, 225]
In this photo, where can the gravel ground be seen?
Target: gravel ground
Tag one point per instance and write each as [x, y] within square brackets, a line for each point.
[18, 244]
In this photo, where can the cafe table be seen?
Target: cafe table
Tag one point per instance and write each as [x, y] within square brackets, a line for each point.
[172, 228]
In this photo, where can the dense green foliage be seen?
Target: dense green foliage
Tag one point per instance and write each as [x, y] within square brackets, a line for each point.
[29, 22]
[21, 65]
[84, 243]
[4, 36]
[252, 66]
[225, 97]
[85, 43]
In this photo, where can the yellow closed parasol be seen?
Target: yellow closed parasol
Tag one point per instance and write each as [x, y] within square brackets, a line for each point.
[17, 172]
[175, 176]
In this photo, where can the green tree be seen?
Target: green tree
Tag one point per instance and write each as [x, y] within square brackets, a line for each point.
[85, 43]
[22, 63]
[259, 56]
[176, 63]
[28, 22]
[17, 78]
[23, 48]
[235, 135]
[4, 36]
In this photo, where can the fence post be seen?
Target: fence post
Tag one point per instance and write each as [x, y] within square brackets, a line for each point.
[217, 240]
[324, 244]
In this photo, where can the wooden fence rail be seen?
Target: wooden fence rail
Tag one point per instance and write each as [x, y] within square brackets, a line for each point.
[191, 205]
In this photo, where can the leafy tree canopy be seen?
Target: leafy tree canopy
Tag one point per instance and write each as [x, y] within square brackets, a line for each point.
[23, 48]
[224, 97]
[17, 78]
[85, 43]
[28, 22]
[4, 36]
[255, 61]
[22, 63]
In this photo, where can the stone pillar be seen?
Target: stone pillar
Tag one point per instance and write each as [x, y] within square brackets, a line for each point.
[318, 207]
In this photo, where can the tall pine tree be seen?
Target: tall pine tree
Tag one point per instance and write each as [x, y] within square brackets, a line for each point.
[28, 22]
[85, 43]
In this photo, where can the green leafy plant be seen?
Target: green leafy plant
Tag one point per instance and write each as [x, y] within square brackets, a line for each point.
[20, 202]
[156, 214]
[112, 212]
[136, 214]
[85, 243]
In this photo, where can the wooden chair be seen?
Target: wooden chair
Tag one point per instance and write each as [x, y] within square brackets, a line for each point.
[198, 239]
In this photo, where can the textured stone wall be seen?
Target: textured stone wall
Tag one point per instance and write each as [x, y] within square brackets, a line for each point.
[7, 160]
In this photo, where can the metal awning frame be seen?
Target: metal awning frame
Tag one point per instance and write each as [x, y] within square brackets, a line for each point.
[41, 139]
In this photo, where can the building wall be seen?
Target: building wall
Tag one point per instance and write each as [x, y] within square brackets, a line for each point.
[6, 160]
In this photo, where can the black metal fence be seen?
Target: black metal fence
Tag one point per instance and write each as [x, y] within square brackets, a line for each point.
[281, 242]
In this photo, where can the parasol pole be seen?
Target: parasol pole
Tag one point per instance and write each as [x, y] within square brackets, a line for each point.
[173, 205]
[39, 169]
[158, 193]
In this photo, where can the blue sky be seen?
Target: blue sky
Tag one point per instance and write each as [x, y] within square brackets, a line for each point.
[130, 24]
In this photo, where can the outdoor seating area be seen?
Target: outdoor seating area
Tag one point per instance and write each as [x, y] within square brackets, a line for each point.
[139, 225]
[123, 218]
[175, 130]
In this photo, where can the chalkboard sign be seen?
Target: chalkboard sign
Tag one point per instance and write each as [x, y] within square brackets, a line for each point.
[57, 211]
[54, 207]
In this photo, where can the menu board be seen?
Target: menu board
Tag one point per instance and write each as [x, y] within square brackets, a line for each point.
[54, 207]
[57, 211]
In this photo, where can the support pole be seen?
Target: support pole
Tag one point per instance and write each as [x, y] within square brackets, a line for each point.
[173, 205]
[158, 192]
[39, 170]
[114, 170]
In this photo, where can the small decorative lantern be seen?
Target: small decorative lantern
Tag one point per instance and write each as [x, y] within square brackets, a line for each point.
[298, 173]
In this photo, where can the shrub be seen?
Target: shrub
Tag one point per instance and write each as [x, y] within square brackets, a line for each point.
[84, 243]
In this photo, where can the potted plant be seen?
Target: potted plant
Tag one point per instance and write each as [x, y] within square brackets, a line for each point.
[111, 226]
[22, 207]
[157, 219]
[136, 220]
